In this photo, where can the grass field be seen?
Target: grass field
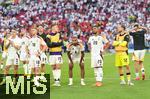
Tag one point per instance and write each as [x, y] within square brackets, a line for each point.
[111, 88]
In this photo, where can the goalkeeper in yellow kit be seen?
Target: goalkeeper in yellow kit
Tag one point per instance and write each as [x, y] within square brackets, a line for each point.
[122, 58]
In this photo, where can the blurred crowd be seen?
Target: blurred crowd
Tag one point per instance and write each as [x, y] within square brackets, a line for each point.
[75, 16]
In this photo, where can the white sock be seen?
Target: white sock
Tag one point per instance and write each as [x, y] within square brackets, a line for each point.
[71, 80]
[42, 73]
[2, 66]
[54, 74]
[97, 76]
[137, 74]
[29, 69]
[82, 80]
[100, 74]
[143, 70]
[95, 73]
[58, 74]
[25, 68]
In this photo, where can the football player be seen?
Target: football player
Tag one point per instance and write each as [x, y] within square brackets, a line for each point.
[4, 50]
[12, 46]
[54, 42]
[75, 53]
[34, 48]
[43, 56]
[24, 50]
[138, 34]
[96, 44]
[122, 58]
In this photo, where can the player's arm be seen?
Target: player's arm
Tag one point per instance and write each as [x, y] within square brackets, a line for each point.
[68, 53]
[53, 44]
[125, 42]
[115, 42]
[106, 42]
[7, 44]
[144, 28]
[16, 46]
[48, 41]
[43, 44]
[59, 43]
[89, 44]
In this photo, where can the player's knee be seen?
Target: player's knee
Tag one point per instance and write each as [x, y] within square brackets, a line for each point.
[140, 62]
[7, 68]
[16, 67]
[70, 66]
[54, 67]
[81, 65]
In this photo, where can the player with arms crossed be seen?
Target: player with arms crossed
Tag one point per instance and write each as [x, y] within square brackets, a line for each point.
[12, 46]
[75, 53]
[122, 58]
[54, 42]
[138, 34]
[97, 43]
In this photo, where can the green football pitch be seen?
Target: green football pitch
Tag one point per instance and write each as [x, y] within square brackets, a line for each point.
[111, 88]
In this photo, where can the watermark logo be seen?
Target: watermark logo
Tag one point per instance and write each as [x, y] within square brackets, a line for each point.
[25, 87]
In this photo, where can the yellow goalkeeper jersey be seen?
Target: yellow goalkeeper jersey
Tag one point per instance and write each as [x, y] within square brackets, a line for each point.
[121, 42]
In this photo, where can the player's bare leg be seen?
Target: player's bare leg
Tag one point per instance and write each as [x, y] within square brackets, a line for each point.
[122, 80]
[82, 73]
[15, 73]
[136, 63]
[6, 72]
[70, 74]
[128, 75]
[26, 69]
[42, 69]
[36, 78]
[142, 69]
[1, 64]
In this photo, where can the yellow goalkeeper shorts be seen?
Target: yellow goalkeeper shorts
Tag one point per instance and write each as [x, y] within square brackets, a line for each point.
[121, 59]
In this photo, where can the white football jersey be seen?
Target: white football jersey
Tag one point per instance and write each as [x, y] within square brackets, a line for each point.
[24, 44]
[34, 45]
[75, 51]
[12, 51]
[97, 44]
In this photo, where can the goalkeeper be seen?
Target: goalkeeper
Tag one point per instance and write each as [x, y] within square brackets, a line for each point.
[122, 58]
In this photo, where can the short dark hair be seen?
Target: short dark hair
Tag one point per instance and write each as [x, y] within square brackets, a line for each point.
[136, 25]
[123, 26]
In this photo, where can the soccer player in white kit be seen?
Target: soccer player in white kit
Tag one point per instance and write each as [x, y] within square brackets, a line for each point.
[4, 50]
[75, 53]
[13, 46]
[24, 51]
[43, 56]
[35, 44]
[97, 43]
